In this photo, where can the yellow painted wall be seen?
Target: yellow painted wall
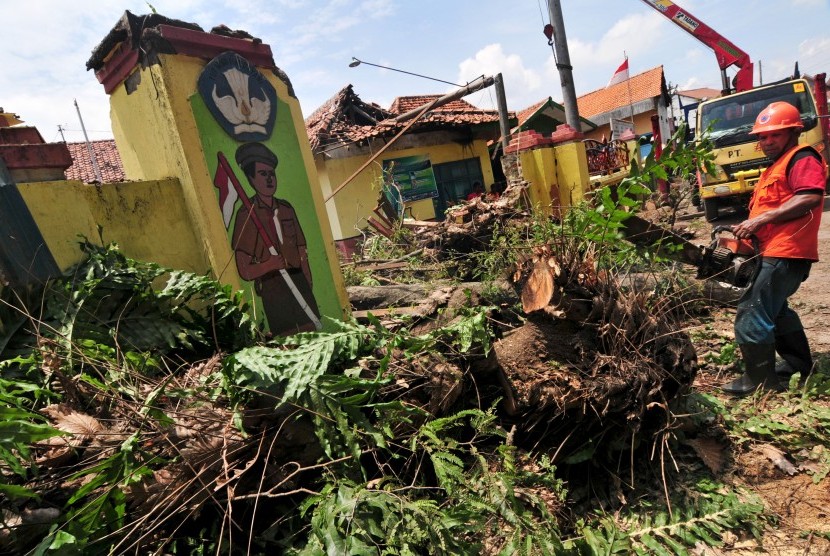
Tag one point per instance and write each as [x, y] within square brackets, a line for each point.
[572, 172]
[146, 219]
[558, 176]
[157, 136]
[538, 168]
[351, 206]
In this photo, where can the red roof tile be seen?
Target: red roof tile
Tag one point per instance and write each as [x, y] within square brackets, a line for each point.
[401, 105]
[345, 118]
[703, 93]
[648, 84]
[107, 157]
[523, 115]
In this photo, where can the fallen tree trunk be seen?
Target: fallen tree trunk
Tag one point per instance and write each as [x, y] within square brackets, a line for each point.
[590, 354]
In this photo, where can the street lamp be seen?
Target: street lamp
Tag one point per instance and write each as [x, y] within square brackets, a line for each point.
[355, 62]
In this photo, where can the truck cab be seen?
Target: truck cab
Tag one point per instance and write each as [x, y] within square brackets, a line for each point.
[737, 155]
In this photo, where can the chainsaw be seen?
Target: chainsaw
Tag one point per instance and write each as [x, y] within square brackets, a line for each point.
[729, 259]
[726, 259]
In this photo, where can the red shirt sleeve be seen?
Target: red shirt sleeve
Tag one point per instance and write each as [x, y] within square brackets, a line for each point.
[806, 174]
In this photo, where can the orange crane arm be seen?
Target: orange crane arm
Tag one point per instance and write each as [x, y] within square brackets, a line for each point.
[726, 52]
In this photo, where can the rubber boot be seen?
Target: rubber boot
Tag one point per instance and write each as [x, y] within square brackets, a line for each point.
[795, 352]
[759, 364]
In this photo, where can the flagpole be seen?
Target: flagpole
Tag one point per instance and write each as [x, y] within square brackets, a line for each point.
[223, 162]
[628, 85]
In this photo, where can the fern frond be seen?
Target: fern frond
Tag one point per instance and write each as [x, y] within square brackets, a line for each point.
[648, 532]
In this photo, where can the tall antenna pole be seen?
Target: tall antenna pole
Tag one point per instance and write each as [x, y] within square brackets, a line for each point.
[89, 146]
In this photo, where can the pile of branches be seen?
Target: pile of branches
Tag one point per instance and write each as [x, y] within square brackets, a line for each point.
[469, 227]
[139, 418]
[146, 419]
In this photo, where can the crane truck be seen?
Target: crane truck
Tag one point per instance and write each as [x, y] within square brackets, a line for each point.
[729, 118]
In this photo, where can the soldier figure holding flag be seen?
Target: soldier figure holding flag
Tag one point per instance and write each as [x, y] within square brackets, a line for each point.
[270, 248]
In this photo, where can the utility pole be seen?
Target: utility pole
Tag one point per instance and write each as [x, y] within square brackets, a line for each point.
[563, 64]
[504, 123]
[89, 147]
[60, 130]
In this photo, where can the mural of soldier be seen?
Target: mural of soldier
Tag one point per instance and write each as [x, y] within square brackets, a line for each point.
[270, 248]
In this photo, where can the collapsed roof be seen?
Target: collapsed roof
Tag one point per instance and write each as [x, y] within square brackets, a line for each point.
[345, 118]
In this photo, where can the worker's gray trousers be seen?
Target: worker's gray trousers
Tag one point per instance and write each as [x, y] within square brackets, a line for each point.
[763, 312]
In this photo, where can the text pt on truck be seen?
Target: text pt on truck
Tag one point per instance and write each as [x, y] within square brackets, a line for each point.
[729, 118]
[738, 157]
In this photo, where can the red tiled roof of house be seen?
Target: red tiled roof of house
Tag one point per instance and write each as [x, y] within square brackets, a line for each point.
[107, 157]
[345, 118]
[523, 115]
[639, 87]
[702, 93]
[401, 105]
[457, 111]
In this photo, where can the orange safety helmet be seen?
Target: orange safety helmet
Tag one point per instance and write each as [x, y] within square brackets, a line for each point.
[778, 115]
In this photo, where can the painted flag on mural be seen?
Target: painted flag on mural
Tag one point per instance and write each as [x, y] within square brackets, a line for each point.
[227, 192]
[620, 75]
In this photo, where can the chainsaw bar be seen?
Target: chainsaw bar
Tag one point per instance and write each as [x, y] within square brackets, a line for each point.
[640, 231]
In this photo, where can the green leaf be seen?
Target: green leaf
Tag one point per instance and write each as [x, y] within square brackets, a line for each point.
[16, 491]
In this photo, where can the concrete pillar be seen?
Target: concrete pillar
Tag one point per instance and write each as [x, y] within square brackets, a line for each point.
[181, 100]
[572, 168]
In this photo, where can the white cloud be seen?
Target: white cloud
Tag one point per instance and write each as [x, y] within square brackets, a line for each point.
[631, 35]
[377, 9]
[691, 83]
[595, 61]
[522, 85]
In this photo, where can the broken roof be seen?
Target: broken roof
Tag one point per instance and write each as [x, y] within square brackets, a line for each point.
[345, 118]
[646, 85]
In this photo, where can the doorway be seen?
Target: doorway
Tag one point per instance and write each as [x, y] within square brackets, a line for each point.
[455, 181]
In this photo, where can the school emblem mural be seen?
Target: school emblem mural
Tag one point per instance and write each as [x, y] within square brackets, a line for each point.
[243, 102]
[262, 208]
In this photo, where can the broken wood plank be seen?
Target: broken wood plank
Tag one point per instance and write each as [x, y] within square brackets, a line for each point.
[407, 223]
[379, 227]
[380, 266]
[385, 312]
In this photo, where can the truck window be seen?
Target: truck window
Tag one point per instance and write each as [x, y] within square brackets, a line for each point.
[731, 118]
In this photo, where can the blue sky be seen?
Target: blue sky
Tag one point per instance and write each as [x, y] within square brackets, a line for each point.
[45, 45]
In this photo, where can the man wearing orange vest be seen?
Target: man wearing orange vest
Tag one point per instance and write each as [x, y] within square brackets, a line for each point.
[784, 214]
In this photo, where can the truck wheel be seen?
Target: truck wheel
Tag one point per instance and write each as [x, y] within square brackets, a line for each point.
[710, 209]
[696, 201]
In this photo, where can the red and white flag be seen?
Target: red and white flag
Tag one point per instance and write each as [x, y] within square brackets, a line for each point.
[620, 75]
[227, 192]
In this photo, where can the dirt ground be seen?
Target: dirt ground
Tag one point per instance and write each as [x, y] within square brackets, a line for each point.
[802, 507]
